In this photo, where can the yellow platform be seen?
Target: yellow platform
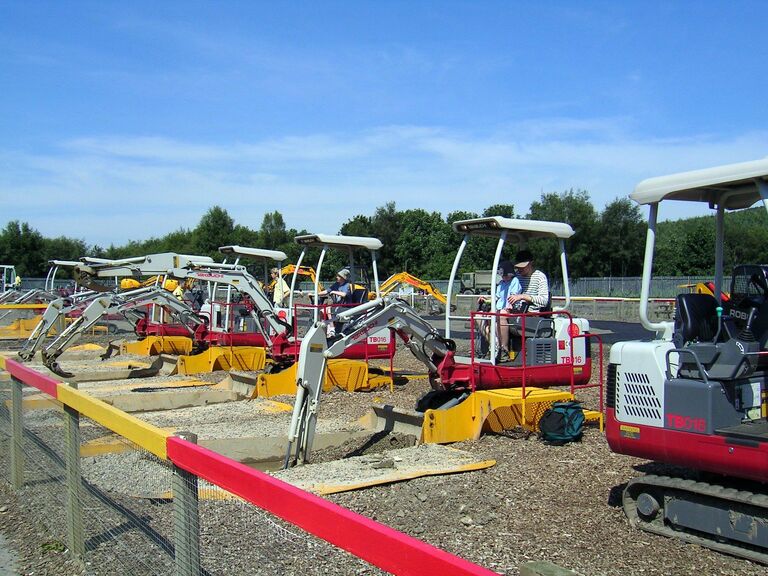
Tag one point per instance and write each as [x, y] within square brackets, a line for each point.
[483, 411]
[21, 328]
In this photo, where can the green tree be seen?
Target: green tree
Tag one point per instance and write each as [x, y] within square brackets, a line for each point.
[386, 226]
[505, 210]
[216, 228]
[273, 233]
[418, 248]
[620, 239]
[23, 247]
[575, 208]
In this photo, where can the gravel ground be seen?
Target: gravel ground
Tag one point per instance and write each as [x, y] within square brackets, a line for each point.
[34, 552]
[538, 502]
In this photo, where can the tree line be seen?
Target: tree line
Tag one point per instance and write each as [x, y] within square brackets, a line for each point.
[606, 243]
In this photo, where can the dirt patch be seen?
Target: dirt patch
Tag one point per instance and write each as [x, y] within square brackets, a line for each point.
[385, 467]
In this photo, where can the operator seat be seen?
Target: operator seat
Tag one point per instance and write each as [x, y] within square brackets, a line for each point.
[695, 319]
[696, 325]
[359, 295]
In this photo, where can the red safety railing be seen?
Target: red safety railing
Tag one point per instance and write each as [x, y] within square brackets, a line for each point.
[477, 317]
[376, 543]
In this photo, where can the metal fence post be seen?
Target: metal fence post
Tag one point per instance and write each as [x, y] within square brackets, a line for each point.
[186, 520]
[76, 541]
[17, 431]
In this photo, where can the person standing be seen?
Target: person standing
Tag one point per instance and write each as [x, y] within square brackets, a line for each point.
[280, 290]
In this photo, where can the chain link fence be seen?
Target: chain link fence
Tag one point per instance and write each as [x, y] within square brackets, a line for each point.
[125, 520]
[120, 508]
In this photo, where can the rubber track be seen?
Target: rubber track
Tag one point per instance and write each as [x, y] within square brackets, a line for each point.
[759, 502]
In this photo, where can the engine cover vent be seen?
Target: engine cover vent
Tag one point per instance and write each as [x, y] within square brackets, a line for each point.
[637, 398]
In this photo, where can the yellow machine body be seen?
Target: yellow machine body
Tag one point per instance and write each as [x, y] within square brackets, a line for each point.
[342, 374]
[248, 358]
[155, 345]
[483, 411]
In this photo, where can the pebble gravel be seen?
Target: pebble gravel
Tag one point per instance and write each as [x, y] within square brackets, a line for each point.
[538, 502]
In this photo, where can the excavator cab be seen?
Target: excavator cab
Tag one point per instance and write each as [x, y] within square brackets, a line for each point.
[749, 296]
[376, 345]
[693, 396]
[552, 347]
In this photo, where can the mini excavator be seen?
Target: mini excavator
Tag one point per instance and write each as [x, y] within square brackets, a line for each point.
[396, 280]
[695, 396]
[111, 303]
[419, 336]
[274, 331]
[466, 391]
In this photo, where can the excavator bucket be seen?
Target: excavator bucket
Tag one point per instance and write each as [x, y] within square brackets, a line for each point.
[482, 411]
[155, 345]
[129, 371]
[387, 418]
[343, 374]
[219, 358]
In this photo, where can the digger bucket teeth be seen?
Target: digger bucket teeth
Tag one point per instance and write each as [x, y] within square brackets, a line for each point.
[112, 347]
[58, 370]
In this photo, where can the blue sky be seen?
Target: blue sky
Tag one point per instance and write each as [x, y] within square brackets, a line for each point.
[125, 120]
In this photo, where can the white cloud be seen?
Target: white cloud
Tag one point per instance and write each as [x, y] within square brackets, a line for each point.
[112, 189]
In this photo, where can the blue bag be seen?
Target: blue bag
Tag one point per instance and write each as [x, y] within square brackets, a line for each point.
[562, 423]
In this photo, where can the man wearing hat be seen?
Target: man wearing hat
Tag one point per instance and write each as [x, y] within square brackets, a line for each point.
[340, 292]
[534, 284]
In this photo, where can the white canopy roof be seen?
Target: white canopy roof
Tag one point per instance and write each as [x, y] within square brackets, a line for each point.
[166, 257]
[733, 185]
[517, 229]
[276, 255]
[339, 241]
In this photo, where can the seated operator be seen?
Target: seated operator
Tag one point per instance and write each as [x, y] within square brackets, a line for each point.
[340, 292]
[508, 286]
[533, 283]
[534, 294]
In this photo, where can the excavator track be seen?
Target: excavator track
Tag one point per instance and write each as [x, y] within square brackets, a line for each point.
[727, 520]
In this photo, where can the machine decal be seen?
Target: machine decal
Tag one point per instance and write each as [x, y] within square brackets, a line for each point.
[632, 432]
[209, 275]
[686, 423]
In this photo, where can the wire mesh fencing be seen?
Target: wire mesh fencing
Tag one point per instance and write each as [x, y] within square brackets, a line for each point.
[238, 538]
[120, 528]
[123, 505]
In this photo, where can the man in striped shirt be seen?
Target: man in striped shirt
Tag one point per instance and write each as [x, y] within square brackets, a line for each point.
[534, 284]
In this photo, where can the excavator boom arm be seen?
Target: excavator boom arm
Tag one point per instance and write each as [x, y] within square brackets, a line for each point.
[115, 303]
[422, 340]
[405, 278]
[185, 267]
[55, 312]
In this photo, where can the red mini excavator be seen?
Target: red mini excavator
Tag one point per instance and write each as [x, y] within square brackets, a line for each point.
[694, 397]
